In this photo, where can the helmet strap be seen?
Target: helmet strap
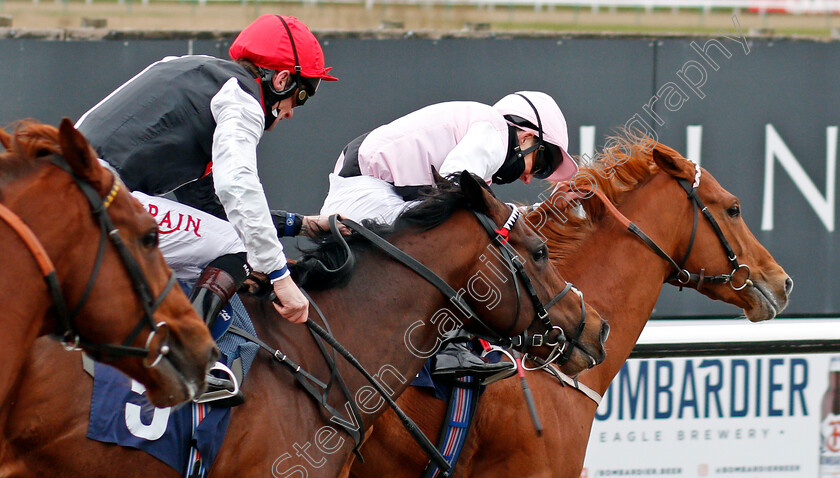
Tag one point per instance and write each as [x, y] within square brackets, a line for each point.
[534, 147]
[270, 94]
[537, 114]
[539, 146]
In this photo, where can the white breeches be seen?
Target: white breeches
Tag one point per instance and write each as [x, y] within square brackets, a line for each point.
[189, 238]
[363, 197]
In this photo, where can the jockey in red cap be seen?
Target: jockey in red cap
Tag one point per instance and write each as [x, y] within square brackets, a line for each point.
[190, 126]
[276, 45]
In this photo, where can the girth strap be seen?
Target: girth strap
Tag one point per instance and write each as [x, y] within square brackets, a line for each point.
[463, 401]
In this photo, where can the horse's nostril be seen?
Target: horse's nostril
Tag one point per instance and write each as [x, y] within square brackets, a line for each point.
[788, 286]
[605, 332]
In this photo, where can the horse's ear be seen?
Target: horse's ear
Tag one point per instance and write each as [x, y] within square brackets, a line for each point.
[474, 192]
[5, 139]
[436, 177]
[78, 153]
[672, 163]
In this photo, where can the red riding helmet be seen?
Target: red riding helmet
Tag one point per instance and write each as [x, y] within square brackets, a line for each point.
[266, 43]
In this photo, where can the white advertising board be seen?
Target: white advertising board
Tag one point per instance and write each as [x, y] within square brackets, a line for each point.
[751, 416]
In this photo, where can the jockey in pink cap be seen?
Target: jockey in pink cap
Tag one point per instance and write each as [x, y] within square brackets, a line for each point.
[379, 174]
[190, 126]
[537, 113]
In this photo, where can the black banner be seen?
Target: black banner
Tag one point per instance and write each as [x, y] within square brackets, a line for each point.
[760, 115]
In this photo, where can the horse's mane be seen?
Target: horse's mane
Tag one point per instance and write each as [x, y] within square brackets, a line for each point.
[438, 203]
[614, 172]
[30, 143]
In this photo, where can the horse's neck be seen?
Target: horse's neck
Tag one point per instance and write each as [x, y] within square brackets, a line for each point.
[24, 296]
[622, 278]
[387, 315]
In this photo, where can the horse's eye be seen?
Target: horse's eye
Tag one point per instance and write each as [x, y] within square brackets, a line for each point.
[734, 211]
[540, 254]
[150, 239]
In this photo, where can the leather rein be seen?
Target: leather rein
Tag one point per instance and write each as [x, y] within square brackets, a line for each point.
[680, 275]
[499, 237]
[66, 329]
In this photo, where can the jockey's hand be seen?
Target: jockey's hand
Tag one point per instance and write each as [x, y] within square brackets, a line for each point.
[292, 304]
[314, 226]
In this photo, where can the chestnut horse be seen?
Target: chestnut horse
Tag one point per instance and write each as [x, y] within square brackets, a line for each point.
[386, 314]
[622, 277]
[59, 208]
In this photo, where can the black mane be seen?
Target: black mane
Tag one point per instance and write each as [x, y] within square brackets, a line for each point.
[438, 203]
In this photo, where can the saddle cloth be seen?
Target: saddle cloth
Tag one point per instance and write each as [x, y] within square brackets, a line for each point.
[120, 413]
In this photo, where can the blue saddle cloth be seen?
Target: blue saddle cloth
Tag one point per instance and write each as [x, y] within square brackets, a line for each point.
[120, 413]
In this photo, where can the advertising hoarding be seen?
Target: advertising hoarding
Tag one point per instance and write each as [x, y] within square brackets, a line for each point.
[751, 416]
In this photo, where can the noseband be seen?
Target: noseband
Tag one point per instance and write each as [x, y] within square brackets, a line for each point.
[66, 326]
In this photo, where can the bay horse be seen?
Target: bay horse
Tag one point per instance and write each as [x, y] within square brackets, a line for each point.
[59, 206]
[622, 277]
[387, 315]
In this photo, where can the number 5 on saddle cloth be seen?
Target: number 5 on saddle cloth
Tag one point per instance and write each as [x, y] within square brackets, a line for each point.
[120, 413]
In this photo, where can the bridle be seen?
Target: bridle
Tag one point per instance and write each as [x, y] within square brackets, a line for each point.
[66, 328]
[680, 275]
[499, 237]
[561, 347]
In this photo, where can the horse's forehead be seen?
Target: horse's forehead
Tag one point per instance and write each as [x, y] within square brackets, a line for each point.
[712, 189]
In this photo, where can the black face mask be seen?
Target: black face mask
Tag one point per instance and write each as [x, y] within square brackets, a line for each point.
[514, 164]
[510, 171]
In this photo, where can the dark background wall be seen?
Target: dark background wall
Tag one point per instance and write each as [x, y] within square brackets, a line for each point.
[598, 82]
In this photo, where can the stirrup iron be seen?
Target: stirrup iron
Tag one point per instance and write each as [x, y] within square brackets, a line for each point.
[220, 394]
[504, 373]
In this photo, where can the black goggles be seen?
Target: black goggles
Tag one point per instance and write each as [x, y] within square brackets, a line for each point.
[547, 157]
[546, 161]
[307, 89]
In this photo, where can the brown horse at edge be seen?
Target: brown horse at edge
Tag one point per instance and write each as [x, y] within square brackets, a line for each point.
[60, 234]
[622, 278]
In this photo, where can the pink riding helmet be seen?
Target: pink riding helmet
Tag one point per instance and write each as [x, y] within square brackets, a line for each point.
[553, 125]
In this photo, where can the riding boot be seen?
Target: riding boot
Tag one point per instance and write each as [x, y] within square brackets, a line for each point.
[455, 359]
[214, 288]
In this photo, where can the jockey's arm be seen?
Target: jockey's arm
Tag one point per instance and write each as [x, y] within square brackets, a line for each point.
[239, 127]
[481, 151]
